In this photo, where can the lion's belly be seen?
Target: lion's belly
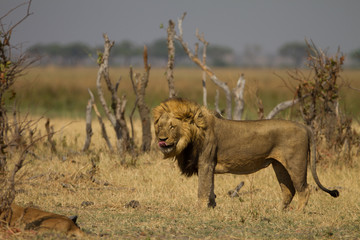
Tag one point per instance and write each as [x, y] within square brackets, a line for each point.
[241, 166]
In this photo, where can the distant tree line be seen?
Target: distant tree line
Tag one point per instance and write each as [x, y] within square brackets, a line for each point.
[126, 53]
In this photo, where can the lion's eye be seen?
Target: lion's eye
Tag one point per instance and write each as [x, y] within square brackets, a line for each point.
[171, 127]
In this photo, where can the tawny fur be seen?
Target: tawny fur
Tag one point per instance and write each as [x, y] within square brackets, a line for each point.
[30, 218]
[203, 143]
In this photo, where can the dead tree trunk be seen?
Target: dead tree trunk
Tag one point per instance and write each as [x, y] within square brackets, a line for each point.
[117, 116]
[205, 68]
[217, 109]
[139, 86]
[205, 44]
[50, 134]
[171, 58]
[89, 131]
[239, 98]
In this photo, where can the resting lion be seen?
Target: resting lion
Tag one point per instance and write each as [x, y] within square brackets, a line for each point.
[30, 218]
[204, 144]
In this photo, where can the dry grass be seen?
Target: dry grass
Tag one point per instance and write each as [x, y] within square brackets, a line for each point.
[61, 183]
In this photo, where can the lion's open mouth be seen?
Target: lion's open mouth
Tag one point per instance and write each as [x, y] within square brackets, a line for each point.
[166, 147]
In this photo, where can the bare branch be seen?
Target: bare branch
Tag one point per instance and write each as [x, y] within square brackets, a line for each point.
[11, 10]
[205, 68]
[239, 98]
[102, 125]
[283, 106]
[235, 192]
[102, 68]
[28, 13]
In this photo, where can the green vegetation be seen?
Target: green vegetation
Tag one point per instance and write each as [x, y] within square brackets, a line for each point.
[62, 92]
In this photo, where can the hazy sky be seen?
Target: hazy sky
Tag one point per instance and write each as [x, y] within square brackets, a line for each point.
[234, 23]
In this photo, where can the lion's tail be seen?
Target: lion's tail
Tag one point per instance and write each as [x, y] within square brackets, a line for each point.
[333, 193]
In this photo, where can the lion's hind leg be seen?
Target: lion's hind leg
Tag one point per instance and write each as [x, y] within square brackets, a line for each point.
[286, 185]
[303, 191]
[300, 183]
[303, 197]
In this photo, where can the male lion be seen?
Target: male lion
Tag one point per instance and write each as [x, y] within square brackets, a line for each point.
[204, 144]
[35, 219]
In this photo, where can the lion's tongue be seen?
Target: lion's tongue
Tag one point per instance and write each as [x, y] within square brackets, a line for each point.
[162, 144]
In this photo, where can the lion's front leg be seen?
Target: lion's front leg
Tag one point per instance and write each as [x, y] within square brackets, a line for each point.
[206, 168]
[206, 195]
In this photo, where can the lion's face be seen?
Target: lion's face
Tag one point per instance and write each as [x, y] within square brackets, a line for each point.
[168, 133]
[178, 124]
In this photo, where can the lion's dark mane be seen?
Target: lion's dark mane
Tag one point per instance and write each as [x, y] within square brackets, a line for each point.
[188, 159]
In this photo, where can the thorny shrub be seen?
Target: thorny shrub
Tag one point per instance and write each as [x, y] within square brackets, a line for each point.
[320, 109]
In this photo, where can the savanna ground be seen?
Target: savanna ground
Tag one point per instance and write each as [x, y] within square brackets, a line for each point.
[60, 182]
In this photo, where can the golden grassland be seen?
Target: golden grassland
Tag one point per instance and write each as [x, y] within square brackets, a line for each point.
[61, 183]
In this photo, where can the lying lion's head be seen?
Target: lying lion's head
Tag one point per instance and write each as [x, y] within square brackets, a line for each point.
[179, 128]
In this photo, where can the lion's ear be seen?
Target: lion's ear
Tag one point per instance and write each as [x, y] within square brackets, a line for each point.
[199, 119]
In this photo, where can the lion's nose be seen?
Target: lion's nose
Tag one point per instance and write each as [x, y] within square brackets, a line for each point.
[162, 139]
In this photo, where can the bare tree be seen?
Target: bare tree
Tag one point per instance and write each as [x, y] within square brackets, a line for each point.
[205, 68]
[139, 86]
[117, 115]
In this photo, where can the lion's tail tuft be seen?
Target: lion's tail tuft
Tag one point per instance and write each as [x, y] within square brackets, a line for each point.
[334, 193]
